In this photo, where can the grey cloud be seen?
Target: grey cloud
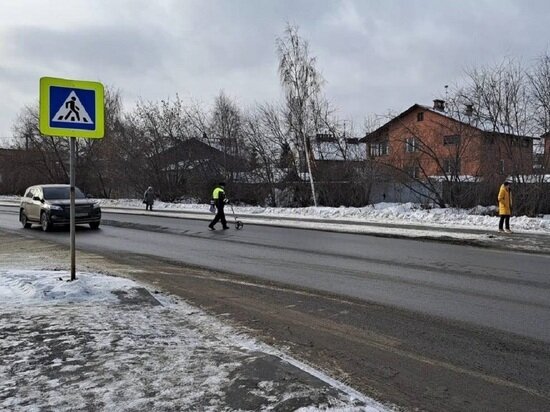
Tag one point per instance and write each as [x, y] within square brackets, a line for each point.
[237, 35]
[375, 55]
[111, 48]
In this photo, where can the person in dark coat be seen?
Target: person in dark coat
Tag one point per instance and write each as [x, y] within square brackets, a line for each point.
[218, 196]
[149, 198]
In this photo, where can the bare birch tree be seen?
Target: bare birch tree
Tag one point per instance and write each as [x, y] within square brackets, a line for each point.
[302, 83]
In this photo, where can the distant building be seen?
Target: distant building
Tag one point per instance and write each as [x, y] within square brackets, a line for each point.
[329, 147]
[424, 142]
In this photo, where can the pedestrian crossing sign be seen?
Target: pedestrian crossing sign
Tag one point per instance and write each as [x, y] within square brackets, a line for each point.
[71, 108]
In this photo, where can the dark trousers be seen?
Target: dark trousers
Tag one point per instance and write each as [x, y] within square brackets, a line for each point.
[148, 206]
[220, 216]
[503, 219]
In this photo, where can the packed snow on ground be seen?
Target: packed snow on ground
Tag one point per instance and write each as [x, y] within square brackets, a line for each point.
[77, 346]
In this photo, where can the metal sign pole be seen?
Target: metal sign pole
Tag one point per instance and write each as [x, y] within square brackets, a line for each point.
[72, 207]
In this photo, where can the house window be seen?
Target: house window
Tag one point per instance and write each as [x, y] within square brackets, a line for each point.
[451, 166]
[520, 141]
[538, 162]
[378, 149]
[451, 140]
[413, 171]
[420, 116]
[411, 145]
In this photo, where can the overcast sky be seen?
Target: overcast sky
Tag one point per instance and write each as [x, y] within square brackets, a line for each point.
[374, 55]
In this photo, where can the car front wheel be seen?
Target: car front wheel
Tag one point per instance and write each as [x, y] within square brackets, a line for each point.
[94, 225]
[24, 221]
[45, 222]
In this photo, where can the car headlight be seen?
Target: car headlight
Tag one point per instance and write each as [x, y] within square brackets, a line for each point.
[55, 207]
[96, 206]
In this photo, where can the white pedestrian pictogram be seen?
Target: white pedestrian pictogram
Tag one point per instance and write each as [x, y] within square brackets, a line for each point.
[72, 111]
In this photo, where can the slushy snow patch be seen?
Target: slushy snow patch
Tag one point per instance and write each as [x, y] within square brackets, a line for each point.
[78, 345]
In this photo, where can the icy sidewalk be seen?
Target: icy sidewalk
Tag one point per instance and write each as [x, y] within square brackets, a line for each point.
[106, 343]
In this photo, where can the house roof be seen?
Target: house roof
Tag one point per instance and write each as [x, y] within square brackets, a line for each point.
[192, 150]
[411, 109]
[417, 106]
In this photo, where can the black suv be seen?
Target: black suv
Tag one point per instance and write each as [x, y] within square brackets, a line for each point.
[49, 205]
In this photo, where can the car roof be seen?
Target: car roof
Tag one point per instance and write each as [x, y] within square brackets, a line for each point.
[49, 185]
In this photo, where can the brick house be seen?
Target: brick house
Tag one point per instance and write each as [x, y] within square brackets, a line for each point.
[424, 154]
[424, 142]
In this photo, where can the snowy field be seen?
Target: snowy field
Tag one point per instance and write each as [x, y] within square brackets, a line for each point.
[104, 343]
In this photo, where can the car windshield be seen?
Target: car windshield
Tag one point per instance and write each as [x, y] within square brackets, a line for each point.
[61, 192]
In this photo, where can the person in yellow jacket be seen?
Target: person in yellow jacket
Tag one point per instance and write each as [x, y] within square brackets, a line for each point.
[504, 206]
[218, 196]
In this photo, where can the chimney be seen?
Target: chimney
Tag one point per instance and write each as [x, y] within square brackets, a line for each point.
[469, 110]
[439, 105]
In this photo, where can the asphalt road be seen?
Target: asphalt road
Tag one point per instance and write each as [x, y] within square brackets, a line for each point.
[507, 291]
[333, 300]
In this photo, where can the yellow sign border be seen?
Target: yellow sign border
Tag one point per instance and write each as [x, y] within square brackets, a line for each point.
[44, 116]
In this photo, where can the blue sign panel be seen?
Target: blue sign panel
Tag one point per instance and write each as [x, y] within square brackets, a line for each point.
[72, 108]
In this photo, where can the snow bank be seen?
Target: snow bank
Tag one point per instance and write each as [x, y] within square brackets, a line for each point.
[479, 217]
[24, 287]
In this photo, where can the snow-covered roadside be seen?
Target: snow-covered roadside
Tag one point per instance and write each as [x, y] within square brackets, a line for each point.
[396, 213]
[380, 213]
[96, 343]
